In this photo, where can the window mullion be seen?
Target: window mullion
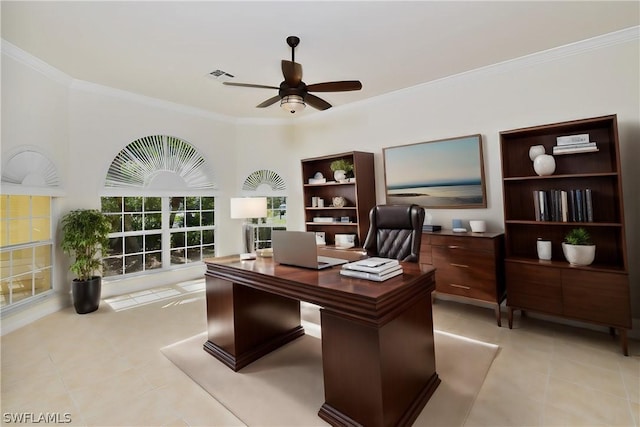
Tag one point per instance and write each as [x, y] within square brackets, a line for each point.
[166, 232]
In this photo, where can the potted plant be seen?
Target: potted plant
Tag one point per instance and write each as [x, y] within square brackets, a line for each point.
[578, 248]
[341, 168]
[84, 233]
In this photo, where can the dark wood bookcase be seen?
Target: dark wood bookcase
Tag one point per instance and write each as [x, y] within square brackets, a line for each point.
[598, 293]
[359, 194]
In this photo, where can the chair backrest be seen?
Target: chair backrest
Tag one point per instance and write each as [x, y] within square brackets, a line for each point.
[395, 231]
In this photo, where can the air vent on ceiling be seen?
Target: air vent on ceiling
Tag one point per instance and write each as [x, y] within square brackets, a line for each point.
[221, 75]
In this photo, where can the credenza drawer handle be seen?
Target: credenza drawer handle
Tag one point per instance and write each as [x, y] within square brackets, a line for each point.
[453, 246]
[459, 286]
[459, 265]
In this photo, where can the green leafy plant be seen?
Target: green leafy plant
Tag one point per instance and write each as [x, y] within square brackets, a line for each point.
[578, 236]
[341, 164]
[84, 233]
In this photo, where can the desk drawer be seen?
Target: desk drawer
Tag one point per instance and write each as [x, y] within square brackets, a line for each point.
[465, 272]
[463, 242]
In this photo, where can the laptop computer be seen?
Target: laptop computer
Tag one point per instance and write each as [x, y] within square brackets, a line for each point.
[298, 248]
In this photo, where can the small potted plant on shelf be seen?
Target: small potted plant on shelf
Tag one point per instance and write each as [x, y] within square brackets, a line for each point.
[578, 248]
[84, 233]
[341, 168]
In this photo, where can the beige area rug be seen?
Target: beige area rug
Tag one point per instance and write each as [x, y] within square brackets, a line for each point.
[285, 387]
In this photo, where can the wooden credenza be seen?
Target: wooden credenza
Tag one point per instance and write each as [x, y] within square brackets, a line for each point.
[468, 265]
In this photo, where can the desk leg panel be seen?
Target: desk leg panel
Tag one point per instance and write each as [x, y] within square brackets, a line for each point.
[378, 376]
[244, 324]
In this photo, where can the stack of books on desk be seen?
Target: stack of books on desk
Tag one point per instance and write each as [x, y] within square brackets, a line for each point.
[377, 269]
[573, 144]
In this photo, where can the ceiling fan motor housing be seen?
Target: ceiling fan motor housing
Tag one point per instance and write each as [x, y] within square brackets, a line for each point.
[300, 90]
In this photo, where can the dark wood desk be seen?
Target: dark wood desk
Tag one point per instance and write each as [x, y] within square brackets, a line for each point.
[377, 338]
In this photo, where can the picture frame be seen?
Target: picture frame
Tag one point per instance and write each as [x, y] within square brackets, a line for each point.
[441, 174]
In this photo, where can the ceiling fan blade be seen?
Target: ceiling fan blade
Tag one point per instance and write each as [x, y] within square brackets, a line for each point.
[341, 86]
[250, 85]
[269, 101]
[292, 72]
[316, 102]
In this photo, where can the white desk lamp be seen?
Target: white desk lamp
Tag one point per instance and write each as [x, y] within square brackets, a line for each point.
[246, 208]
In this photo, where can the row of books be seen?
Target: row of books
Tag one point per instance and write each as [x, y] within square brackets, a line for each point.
[376, 269]
[574, 205]
[574, 144]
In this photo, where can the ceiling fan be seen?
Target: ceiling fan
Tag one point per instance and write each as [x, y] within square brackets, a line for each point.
[293, 93]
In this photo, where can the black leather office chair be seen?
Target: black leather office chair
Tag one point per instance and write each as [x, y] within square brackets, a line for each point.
[395, 231]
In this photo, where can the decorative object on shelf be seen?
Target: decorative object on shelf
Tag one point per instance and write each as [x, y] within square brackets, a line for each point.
[447, 173]
[318, 178]
[339, 202]
[321, 238]
[578, 248]
[478, 225]
[544, 164]
[456, 225]
[345, 241]
[535, 151]
[340, 168]
[544, 249]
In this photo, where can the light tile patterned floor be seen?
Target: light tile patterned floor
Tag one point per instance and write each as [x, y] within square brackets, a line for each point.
[105, 368]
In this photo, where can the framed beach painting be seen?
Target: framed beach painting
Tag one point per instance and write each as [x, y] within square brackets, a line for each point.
[448, 173]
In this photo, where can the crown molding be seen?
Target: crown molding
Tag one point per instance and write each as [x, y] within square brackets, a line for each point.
[14, 52]
[627, 35]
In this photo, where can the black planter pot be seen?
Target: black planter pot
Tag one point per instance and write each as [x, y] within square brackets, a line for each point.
[86, 294]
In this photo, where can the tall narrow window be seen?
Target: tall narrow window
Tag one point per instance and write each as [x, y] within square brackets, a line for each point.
[25, 247]
[276, 220]
[136, 234]
[192, 229]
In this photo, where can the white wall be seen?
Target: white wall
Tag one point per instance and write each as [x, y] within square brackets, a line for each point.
[542, 89]
[83, 126]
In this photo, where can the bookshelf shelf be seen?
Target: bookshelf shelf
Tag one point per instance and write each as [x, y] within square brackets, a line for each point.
[598, 293]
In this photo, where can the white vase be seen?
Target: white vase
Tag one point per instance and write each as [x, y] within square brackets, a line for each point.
[339, 175]
[544, 249]
[544, 164]
[535, 151]
[579, 254]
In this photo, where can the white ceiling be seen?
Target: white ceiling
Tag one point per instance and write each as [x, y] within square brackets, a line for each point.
[165, 49]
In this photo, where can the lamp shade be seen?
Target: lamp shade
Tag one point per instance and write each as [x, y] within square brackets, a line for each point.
[248, 207]
[292, 103]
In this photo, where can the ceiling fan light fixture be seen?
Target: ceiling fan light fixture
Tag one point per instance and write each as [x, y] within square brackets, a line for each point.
[292, 103]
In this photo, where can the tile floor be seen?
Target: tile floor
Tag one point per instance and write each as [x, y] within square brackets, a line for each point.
[105, 368]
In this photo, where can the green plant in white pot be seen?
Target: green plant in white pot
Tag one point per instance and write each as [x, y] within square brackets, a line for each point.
[341, 168]
[84, 233]
[578, 248]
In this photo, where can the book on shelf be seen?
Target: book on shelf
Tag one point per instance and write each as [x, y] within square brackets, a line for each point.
[573, 205]
[373, 265]
[323, 219]
[588, 205]
[572, 139]
[582, 148]
[376, 277]
[431, 227]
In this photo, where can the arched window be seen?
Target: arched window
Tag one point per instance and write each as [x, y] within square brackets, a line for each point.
[168, 222]
[29, 181]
